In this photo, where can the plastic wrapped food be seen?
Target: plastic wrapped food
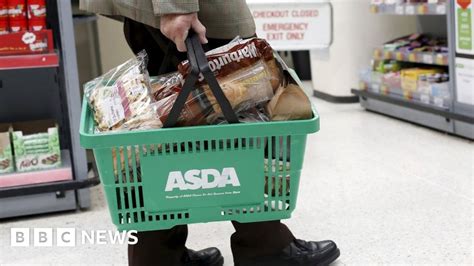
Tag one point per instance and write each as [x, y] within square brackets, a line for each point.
[244, 89]
[240, 55]
[121, 100]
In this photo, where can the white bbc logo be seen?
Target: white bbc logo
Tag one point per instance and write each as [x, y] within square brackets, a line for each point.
[42, 237]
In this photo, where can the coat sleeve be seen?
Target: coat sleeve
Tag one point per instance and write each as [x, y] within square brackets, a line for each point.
[163, 7]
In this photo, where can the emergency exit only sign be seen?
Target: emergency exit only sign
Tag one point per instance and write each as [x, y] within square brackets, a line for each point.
[293, 25]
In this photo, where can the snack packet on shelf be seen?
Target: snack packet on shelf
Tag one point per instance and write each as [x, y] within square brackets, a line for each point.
[120, 99]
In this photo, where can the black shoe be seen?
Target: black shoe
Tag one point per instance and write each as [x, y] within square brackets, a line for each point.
[205, 257]
[300, 252]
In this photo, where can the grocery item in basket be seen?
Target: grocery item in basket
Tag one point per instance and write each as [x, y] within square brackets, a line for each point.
[244, 89]
[238, 55]
[289, 103]
[121, 99]
[252, 115]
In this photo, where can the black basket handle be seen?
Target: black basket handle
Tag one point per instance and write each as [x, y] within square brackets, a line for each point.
[198, 62]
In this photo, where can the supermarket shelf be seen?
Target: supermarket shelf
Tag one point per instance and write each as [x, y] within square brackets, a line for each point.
[409, 9]
[51, 187]
[415, 57]
[398, 93]
[397, 103]
[29, 61]
[42, 176]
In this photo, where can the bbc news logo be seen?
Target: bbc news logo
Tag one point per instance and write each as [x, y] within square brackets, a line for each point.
[69, 237]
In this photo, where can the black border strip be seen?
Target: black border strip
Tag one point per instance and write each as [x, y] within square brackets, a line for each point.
[335, 99]
[416, 106]
[464, 56]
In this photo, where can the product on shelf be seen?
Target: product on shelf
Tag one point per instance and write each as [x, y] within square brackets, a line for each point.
[410, 77]
[4, 28]
[6, 155]
[26, 42]
[36, 145]
[17, 17]
[36, 15]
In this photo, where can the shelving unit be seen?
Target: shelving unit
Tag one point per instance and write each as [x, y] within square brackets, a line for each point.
[409, 9]
[440, 59]
[46, 86]
[29, 61]
[445, 115]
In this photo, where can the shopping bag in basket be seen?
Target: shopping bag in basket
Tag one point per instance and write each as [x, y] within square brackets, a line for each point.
[157, 179]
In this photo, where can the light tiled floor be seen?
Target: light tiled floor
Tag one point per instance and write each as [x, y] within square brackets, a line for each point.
[388, 192]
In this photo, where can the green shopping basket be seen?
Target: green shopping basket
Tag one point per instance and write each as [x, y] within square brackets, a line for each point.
[156, 179]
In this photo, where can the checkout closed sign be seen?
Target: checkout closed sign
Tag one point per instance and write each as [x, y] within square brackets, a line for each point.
[293, 25]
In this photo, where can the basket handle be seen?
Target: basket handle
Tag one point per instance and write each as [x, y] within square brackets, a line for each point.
[198, 62]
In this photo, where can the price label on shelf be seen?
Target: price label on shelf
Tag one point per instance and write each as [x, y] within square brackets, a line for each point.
[441, 9]
[441, 60]
[422, 9]
[377, 54]
[425, 98]
[410, 10]
[428, 59]
[399, 10]
[438, 101]
[374, 9]
[375, 87]
[399, 56]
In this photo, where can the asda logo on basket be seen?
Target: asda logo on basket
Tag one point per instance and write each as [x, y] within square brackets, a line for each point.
[202, 179]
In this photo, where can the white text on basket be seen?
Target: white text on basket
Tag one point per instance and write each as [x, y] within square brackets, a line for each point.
[202, 179]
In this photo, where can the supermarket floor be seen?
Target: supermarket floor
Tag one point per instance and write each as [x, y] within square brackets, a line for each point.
[388, 192]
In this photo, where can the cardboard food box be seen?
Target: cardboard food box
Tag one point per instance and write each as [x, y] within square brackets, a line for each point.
[26, 42]
[6, 155]
[36, 145]
[410, 78]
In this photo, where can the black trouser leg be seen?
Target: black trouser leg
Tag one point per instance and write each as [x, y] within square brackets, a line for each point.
[252, 240]
[164, 247]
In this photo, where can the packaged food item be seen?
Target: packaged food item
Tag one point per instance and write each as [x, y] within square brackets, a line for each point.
[17, 15]
[238, 55]
[410, 77]
[6, 154]
[244, 89]
[36, 145]
[4, 29]
[36, 14]
[289, 103]
[252, 115]
[120, 99]
[26, 42]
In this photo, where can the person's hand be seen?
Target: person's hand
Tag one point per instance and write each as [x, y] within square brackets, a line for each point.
[176, 27]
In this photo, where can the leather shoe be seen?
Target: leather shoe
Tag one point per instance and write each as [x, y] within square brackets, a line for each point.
[205, 257]
[300, 252]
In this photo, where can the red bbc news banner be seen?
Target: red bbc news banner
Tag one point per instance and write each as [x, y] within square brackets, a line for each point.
[17, 15]
[3, 17]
